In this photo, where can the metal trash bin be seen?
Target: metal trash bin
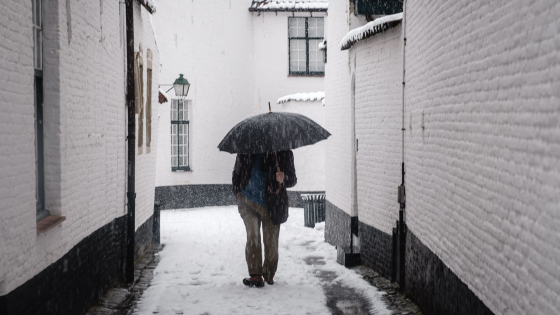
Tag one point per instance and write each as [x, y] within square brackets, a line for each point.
[313, 209]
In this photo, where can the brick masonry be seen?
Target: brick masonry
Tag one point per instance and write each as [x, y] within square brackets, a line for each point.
[337, 227]
[433, 286]
[483, 174]
[77, 280]
[84, 131]
[376, 249]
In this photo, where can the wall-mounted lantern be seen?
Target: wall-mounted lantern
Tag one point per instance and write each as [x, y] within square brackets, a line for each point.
[181, 86]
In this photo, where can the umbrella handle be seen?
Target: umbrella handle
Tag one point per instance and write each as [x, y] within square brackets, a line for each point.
[279, 184]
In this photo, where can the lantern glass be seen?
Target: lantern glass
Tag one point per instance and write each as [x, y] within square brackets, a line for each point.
[181, 86]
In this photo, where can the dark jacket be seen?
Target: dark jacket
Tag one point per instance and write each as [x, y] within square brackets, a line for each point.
[277, 204]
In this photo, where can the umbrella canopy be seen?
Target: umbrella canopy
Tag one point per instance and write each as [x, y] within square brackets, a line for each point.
[272, 132]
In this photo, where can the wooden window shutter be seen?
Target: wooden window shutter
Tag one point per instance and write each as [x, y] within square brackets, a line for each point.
[149, 88]
[139, 81]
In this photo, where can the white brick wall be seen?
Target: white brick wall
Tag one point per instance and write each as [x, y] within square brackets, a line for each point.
[378, 68]
[85, 127]
[236, 62]
[338, 109]
[483, 178]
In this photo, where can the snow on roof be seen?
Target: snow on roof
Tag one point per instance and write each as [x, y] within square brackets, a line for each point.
[289, 5]
[162, 92]
[376, 26]
[150, 5]
[302, 97]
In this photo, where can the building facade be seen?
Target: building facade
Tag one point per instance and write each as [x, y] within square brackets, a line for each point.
[63, 195]
[480, 168]
[236, 55]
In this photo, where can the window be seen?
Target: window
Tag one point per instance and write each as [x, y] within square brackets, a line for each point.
[305, 34]
[39, 144]
[179, 135]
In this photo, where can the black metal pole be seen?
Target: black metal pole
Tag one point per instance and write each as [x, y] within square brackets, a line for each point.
[131, 138]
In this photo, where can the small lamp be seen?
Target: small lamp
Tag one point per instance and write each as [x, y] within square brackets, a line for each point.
[181, 86]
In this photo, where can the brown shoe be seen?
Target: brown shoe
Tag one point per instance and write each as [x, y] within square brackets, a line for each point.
[269, 280]
[254, 281]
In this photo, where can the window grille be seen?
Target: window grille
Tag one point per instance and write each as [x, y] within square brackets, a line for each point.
[305, 34]
[179, 135]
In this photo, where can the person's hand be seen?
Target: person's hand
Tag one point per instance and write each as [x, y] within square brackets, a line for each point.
[280, 177]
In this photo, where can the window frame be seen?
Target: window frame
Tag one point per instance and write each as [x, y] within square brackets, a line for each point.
[305, 73]
[37, 24]
[178, 122]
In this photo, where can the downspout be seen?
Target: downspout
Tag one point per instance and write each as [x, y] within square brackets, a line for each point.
[401, 227]
[131, 139]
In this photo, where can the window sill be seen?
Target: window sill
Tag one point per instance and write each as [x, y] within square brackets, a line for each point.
[306, 75]
[48, 223]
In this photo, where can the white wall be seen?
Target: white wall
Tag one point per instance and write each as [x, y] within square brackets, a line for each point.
[236, 62]
[309, 161]
[210, 44]
[378, 70]
[84, 125]
[338, 109]
[483, 178]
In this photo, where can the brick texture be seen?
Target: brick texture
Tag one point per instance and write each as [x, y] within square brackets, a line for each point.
[483, 176]
[84, 130]
[378, 68]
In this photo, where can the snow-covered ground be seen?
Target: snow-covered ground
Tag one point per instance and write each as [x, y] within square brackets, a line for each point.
[203, 264]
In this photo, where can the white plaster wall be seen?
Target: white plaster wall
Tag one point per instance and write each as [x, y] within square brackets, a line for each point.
[378, 70]
[338, 110]
[483, 178]
[210, 43]
[271, 71]
[236, 63]
[84, 123]
[309, 161]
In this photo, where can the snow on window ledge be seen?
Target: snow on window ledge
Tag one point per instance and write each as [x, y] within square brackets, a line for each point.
[374, 27]
[302, 97]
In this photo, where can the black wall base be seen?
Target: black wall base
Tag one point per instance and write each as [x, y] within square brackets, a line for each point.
[76, 281]
[338, 227]
[143, 238]
[195, 196]
[433, 286]
[376, 248]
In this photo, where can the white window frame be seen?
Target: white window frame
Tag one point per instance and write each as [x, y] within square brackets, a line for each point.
[180, 135]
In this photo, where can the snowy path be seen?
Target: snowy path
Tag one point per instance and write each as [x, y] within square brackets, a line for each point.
[203, 263]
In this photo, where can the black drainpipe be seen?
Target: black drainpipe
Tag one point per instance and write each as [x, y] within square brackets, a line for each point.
[131, 138]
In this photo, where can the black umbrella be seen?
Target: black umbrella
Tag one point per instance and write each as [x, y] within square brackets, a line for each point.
[272, 132]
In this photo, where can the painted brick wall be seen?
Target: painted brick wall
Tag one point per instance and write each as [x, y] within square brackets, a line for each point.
[84, 132]
[338, 111]
[146, 162]
[17, 188]
[378, 126]
[483, 176]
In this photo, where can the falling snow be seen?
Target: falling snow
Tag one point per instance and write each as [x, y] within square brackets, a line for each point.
[203, 264]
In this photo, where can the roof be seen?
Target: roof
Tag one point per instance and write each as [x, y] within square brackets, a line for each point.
[163, 98]
[374, 27]
[150, 5]
[289, 5]
[302, 97]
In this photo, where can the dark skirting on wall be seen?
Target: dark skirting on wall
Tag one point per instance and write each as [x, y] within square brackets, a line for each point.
[433, 286]
[195, 196]
[77, 280]
[338, 225]
[376, 249]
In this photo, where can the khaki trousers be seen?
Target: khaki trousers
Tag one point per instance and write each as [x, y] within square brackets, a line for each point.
[253, 214]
